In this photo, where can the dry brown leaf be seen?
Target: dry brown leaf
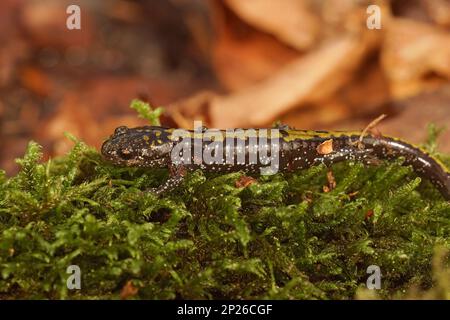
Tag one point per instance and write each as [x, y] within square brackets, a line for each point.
[291, 21]
[325, 147]
[244, 181]
[335, 13]
[324, 70]
[367, 92]
[92, 111]
[35, 80]
[45, 23]
[318, 115]
[411, 52]
[11, 54]
[417, 113]
[410, 118]
[345, 16]
[439, 11]
[128, 290]
[13, 48]
[192, 108]
[242, 55]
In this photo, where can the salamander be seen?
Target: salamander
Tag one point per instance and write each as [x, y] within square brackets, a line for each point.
[232, 150]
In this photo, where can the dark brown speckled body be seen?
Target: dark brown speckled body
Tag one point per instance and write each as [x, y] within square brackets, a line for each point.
[153, 146]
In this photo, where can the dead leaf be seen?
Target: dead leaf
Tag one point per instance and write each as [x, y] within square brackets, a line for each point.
[331, 180]
[36, 81]
[93, 111]
[369, 214]
[439, 11]
[195, 107]
[416, 113]
[409, 118]
[291, 21]
[238, 65]
[318, 115]
[325, 147]
[411, 52]
[128, 290]
[244, 182]
[324, 70]
[45, 23]
[242, 55]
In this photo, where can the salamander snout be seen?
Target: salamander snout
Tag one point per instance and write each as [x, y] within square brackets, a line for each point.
[111, 147]
[142, 147]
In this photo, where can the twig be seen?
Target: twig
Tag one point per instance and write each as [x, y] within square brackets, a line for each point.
[370, 126]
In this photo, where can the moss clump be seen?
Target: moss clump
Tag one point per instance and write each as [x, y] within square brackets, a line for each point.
[282, 237]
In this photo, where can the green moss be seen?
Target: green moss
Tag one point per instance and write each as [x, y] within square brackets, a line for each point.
[279, 238]
[146, 112]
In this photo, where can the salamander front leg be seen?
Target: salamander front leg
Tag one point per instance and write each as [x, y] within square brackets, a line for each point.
[177, 175]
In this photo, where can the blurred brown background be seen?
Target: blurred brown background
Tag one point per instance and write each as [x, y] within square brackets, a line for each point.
[312, 64]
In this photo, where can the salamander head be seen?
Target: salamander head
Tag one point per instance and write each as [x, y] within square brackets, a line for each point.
[141, 147]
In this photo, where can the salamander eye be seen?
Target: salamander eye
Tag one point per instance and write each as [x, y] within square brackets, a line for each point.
[120, 130]
[125, 154]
